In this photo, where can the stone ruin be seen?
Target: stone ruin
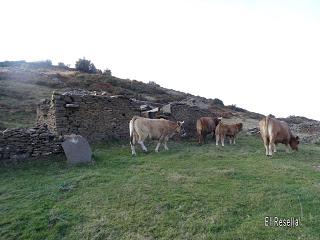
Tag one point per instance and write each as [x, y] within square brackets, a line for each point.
[101, 118]
[96, 117]
[21, 143]
[189, 114]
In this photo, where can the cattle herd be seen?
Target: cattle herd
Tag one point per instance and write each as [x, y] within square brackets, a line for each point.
[272, 132]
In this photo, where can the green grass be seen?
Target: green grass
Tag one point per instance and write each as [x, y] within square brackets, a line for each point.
[189, 192]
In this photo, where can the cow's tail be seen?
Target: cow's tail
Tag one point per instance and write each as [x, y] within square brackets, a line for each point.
[132, 130]
[199, 127]
[267, 126]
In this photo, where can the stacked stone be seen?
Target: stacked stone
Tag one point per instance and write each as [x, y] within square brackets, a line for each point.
[188, 114]
[95, 117]
[309, 132]
[21, 143]
[46, 114]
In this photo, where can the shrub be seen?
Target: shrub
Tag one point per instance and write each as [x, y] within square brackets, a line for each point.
[62, 65]
[107, 72]
[235, 108]
[12, 63]
[40, 64]
[152, 83]
[84, 65]
[218, 101]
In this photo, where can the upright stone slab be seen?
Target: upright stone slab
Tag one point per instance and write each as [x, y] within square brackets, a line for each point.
[77, 149]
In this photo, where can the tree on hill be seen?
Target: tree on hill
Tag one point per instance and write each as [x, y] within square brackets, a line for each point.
[107, 72]
[62, 65]
[84, 65]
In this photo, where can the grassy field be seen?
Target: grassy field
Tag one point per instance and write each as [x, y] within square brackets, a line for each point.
[189, 192]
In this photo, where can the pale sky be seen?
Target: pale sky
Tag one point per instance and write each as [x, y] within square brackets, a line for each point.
[263, 56]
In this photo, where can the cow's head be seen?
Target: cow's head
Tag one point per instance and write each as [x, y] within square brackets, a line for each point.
[239, 126]
[294, 142]
[179, 129]
[217, 120]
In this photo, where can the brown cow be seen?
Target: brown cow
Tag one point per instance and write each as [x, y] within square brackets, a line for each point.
[225, 130]
[159, 129]
[205, 126]
[274, 131]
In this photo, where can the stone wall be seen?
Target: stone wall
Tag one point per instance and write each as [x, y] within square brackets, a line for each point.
[188, 114]
[20, 143]
[94, 117]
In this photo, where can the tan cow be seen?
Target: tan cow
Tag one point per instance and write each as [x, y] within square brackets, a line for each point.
[274, 131]
[159, 129]
[225, 130]
[205, 126]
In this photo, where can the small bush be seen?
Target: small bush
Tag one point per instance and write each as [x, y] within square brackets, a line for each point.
[40, 64]
[235, 108]
[62, 65]
[218, 101]
[84, 65]
[152, 83]
[107, 72]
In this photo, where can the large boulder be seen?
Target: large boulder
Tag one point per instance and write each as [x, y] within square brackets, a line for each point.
[77, 149]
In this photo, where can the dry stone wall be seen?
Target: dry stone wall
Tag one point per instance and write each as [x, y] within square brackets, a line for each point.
[94, 117]
[188, 114]
[21, 143]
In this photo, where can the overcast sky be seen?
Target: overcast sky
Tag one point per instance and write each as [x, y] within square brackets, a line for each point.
[260, 55]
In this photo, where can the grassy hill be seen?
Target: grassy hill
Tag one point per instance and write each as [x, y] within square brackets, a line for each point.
[23, 86]
[188, 192]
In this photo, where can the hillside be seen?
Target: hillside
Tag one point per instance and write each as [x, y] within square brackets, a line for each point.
[23, 87]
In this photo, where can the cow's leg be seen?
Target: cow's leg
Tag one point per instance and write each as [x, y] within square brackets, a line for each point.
[142, 145]
[274, 148]
[133, 150]
[230, 140]
[287, 148]
[165, 143]
[158, 144]
[200, 138]
[266, 145]
[217, 139]
[267, 149]
[234, 140]
[222, 140]
[132, 144]
[270, 149]
[271, 144]
[157, 147]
